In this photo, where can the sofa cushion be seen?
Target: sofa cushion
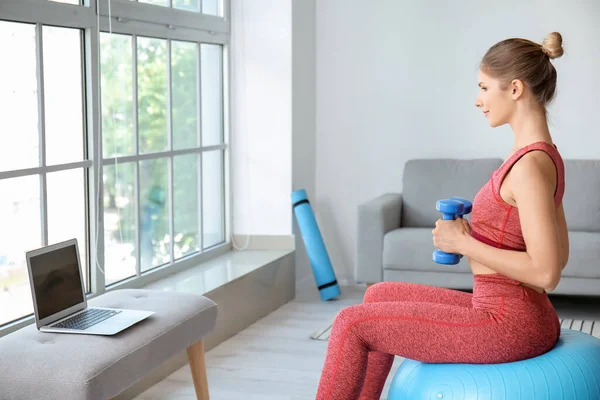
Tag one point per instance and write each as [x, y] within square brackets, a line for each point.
[582, 190]
[425, 181]
[412, 248]
[584, 255]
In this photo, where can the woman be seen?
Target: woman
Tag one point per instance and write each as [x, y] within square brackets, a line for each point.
[517, 247]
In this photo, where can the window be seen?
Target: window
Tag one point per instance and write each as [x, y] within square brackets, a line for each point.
[209, 7]
[175, 165]
[113, 134]
[42, 158]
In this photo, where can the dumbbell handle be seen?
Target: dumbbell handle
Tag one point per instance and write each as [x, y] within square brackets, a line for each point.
[449, 216]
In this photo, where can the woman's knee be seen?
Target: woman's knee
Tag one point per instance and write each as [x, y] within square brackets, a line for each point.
[378, 292]
[371, 292]
[348, 315]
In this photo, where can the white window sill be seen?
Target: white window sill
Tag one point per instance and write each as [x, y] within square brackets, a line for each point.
[217, 272]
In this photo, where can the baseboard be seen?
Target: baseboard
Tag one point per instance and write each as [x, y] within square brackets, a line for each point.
[264, 242]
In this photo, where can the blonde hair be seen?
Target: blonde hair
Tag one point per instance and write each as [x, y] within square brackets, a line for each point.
[528, 61]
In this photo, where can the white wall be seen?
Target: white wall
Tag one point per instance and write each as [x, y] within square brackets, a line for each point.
[303, 115]
[261, 117]
[398, 80]
[273, 124]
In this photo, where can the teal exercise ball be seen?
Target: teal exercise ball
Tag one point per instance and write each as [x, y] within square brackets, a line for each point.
[570, 371]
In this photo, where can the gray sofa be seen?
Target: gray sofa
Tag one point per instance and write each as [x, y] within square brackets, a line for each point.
[394, 241]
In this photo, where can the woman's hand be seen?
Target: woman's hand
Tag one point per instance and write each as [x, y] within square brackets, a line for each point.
[449, 235]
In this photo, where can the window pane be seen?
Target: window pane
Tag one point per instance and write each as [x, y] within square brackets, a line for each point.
[212, 95]
[188, 5]
[186, 204]
[212, 198]
[66, 211]
[211, 7]
[67, 1]
[152, 94]
[63, 95]
[184, 75]
[117, 95]
[154, 214]
[19, 141]
[119, 222]
[20, 232]
[164, 3]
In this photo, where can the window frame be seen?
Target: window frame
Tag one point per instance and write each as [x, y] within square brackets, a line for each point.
[186, 26]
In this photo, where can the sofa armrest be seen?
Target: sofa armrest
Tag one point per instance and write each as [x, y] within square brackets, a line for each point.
[375, 218]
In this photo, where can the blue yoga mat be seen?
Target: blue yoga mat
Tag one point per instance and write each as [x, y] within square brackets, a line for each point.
[315, 247]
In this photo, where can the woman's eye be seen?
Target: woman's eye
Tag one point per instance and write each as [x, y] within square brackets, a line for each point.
[484, 89]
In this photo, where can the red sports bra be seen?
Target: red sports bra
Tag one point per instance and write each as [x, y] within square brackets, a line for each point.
[495, 222]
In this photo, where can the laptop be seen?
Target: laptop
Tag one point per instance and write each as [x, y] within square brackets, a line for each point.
[59, 299]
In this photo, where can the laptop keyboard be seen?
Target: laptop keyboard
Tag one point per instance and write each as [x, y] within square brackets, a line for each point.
[89, 317]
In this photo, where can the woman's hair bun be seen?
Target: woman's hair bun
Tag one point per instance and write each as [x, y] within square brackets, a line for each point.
[552, 45]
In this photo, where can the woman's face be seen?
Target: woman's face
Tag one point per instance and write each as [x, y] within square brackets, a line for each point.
[496, 104]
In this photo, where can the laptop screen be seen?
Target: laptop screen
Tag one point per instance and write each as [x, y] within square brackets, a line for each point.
[56, 280]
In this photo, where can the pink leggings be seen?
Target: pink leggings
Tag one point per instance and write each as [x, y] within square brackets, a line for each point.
[502, 321]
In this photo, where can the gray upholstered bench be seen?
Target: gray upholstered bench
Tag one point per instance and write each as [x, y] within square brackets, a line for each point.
[38, 365]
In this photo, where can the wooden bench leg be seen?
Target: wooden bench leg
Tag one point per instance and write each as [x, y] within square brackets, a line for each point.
[196, 356]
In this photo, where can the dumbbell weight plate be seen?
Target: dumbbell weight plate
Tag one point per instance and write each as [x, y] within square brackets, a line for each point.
[444, 258]
[448, 206]
[467, 204]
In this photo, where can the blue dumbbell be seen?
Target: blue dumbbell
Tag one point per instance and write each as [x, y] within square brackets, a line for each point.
[467, 206]
[450, 209]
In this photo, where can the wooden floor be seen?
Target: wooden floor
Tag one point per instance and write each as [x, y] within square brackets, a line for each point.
[275, 359]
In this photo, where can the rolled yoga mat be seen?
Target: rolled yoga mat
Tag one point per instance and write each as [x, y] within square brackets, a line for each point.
[315, 247]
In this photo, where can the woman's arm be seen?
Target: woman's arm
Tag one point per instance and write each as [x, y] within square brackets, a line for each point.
[532, 186]
[517, 265]
[564, 235]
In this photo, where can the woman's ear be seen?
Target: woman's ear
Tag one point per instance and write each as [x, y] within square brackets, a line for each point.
[516, 88]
